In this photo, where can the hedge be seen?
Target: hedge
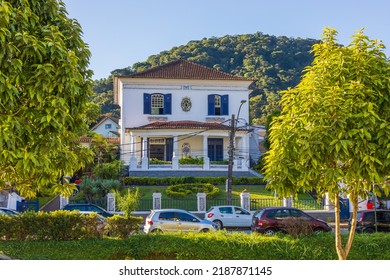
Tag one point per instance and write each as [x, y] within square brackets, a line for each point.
[182, 190]
[64, 225]
[167, 181]
[122, 227]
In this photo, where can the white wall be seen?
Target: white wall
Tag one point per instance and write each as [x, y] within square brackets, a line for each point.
[107, 132]
[197, 90]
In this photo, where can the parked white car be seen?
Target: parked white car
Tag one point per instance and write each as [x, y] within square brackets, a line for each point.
[229, 216]
[166, 220]
[6, 211]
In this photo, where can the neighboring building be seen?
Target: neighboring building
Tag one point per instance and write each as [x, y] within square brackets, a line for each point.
[107, 127]
[182, 109]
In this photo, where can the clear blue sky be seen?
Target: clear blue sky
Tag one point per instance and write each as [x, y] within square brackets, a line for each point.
[123, 32]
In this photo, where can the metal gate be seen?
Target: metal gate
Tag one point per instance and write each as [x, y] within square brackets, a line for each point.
[27, 206]
[344, 208]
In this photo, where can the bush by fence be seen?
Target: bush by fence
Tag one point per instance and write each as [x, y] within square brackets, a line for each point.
[63, 225]
[166, 181]
[122, 227]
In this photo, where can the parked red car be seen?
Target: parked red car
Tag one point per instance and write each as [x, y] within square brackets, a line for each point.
[279, 219]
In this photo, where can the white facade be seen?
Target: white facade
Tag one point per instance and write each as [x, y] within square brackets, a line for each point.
[189, 130]
[107, 127]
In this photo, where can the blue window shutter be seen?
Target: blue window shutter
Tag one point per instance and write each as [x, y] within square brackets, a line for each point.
[147, 103]
[167, 104]
[225, 104]
[211, 104]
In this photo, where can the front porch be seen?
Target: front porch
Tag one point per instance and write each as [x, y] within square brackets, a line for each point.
[184, 146]
[238, 165]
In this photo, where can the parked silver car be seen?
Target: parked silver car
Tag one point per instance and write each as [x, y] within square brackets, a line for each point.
[229, 216]
[166, 220]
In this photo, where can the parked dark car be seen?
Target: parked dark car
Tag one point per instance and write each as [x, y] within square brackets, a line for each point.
[88, 208]
[284, 219]
[366, 221]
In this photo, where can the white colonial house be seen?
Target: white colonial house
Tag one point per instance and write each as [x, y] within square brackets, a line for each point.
[183, 110]
[107, 127]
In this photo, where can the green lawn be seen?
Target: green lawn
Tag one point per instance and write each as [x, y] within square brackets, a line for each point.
[200, 246]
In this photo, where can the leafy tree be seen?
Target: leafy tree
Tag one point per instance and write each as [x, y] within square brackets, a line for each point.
[128, 202]
[44, 88]
[334, 130]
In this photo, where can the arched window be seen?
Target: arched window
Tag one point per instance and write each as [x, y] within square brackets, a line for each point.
[218, 105]
[157, 104]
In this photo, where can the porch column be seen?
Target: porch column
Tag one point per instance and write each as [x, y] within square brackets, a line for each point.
[206, 160]
[133, 159]
[145, 160]
[175, 156]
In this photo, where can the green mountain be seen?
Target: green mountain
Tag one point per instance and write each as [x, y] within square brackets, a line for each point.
[275, 63]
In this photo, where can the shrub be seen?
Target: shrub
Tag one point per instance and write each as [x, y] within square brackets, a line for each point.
[97, 188]
[158, 161]
[56, 225]
[297, 227]
[128, 202]
[182, 190]
[122, 227]
[191, 160]
[108, 170]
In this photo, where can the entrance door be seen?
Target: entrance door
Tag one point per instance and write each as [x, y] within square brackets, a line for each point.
[156, 151]
[215, 149]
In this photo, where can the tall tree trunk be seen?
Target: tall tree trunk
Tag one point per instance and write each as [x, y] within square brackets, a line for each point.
[343, 252]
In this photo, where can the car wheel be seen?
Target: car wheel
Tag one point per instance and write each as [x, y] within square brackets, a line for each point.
[318, 230]
[219, 224]
[205, 230]
[368, 230]
[269, 231]
[156, 230]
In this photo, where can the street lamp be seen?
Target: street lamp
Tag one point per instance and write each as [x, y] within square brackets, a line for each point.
[231, 156]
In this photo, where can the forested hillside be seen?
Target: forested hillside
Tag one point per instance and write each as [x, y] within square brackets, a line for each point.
[275, 63]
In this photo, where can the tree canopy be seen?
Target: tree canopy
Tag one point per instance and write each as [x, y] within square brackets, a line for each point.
[44, 87]
[333, 133]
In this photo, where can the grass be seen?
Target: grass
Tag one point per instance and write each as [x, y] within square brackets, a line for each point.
[257, 192]
[200, 246]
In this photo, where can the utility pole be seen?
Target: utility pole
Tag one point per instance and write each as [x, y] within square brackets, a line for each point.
[230, 166]
[229, 181]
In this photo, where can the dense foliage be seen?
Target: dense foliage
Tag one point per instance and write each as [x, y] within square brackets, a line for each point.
[44, 88]
[333, 132]
[275, 63]
[200, 246]
[56, 225]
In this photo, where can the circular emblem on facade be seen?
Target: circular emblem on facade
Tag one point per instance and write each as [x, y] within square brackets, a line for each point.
[186, 104]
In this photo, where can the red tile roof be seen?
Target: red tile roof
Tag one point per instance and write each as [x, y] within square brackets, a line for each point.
[183, 69]
[113, 140]
[183, 125]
